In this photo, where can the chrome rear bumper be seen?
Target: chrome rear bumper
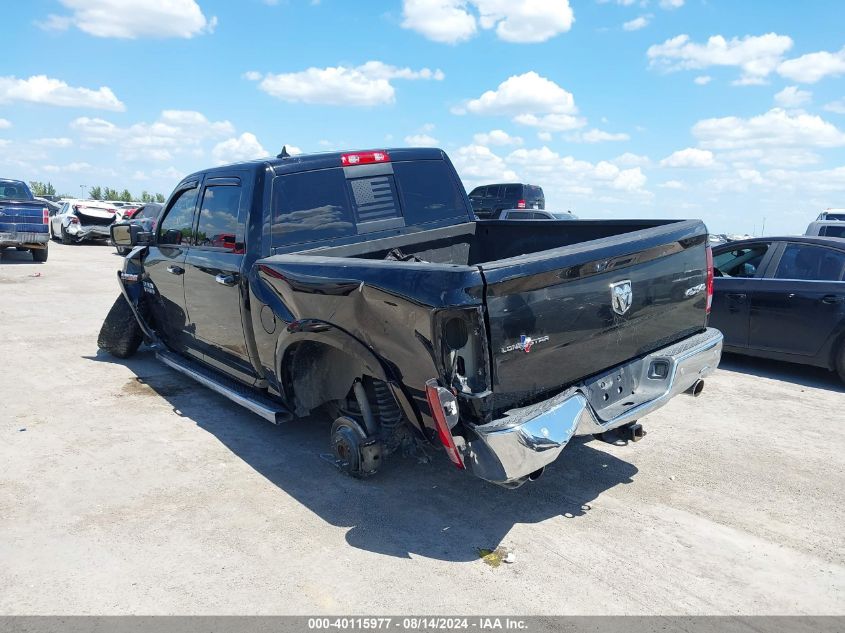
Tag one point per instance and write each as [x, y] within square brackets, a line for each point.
[23, 238]
[506, 451]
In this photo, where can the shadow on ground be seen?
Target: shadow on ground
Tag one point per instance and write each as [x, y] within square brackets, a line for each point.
[815, 377]
[14, 256]
[11, 255]
[426, 509]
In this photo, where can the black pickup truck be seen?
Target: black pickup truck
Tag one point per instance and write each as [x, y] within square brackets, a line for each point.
[359, 282]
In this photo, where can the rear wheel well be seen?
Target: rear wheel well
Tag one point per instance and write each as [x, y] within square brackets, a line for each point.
[314, 374]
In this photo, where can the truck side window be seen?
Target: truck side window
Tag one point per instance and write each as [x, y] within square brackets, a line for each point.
[218, 221]
[311, 206]
[177, 225]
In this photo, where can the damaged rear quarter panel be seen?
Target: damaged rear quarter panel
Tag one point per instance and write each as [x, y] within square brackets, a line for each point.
[383, 307]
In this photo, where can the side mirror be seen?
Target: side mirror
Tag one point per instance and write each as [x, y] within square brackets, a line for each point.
[129, 235]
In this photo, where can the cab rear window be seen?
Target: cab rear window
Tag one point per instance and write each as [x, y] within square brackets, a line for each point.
[325, 204]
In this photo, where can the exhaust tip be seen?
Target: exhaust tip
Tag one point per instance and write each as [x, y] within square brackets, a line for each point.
[536, 474]
[697, 388]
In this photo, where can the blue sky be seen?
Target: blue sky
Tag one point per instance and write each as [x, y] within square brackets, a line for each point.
[728, 111]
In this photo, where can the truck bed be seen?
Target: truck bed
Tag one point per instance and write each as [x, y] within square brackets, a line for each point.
[484, 243]
[551, 282]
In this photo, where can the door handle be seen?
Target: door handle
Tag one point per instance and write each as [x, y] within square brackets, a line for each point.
[226, 280]
[739, 296]
[830, 299]
[175, 270]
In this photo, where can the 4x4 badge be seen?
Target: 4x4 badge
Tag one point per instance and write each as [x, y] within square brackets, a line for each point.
[621, 296]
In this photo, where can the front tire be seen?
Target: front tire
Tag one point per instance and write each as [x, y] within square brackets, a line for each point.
[65, 237]
[39, 255]
[120, 334]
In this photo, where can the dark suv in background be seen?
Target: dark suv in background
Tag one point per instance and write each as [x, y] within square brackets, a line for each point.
[489, 199]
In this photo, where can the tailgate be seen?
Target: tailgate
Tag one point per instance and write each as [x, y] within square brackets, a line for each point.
[561, 315]
[22, 217]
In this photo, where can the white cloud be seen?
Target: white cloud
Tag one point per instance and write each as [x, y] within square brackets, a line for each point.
[551, 122]
[836, 106]
[757, 56]
[629, 159]
[775, 157]
[689, 157]
[598, 136]
[477, 164]
[526, 21]
[637, 23]
[581, 177]
[672, 184]
[74, 168]
[439, 20]
[703, 80]
[49, 91]
[810, 68]
[239, 148]
[5, 124]
[775, 128]
[671, 4]
[519, 21]
[544, 136]
[131, 19]
[821, 181]
[365, 85]
[252, 75]
[630, 180]
[496, 137]
[173, 132]
[526, 93]
[53, 142]
[792, 97]
[531, 100]
[421, 140]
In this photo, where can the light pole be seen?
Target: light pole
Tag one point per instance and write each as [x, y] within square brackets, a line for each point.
[81, 192]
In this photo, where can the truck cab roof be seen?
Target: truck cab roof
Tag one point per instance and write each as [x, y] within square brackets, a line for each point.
[324, 160]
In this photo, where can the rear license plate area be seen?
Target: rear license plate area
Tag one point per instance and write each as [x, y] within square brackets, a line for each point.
[615, 387]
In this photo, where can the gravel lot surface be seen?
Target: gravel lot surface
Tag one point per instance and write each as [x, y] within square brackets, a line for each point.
[125, 488]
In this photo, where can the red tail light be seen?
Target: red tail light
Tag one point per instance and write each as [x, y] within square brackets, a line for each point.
[709, 279]
[73, 219]
[520, 204]
[45, 215]
[364, 158]
[435, 396]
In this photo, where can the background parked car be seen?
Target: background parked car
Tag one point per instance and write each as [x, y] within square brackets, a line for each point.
[146, 215]
[489, 199]
[831, 214]
[827, 228]
[53, 206]
[79, 220]
[530, 214]
[782, 298]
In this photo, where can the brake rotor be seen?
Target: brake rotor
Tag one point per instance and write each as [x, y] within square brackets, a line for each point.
[354, 453]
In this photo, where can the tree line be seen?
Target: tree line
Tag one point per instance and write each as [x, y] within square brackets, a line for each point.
[96, 193]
